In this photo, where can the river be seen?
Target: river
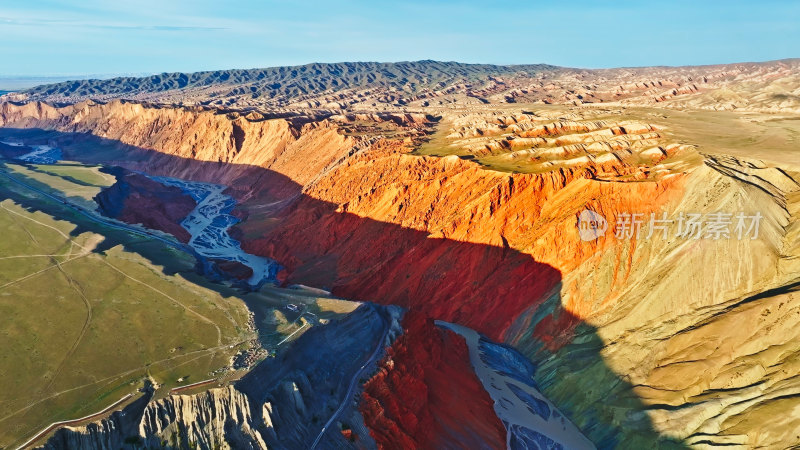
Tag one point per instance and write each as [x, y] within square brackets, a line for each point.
[531, 420]
[39, 154]
[208, 226]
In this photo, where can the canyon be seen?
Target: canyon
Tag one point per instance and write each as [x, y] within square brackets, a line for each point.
[454, 230]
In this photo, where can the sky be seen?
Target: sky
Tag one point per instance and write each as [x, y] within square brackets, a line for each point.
[58, 38]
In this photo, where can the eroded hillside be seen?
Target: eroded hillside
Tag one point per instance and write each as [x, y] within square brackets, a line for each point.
[359, 87]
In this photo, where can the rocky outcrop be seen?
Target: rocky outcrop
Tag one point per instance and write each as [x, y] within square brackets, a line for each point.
[449, 217]
[232, 269]
[218, 418]
[196, 144]
[426, 395]
[213, 419]
[283, 403]
[114, 432]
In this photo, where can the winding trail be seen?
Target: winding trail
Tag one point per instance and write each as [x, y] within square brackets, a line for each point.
[177, 302]
[31, 275]
[95, 218]
[72, 282]
[30, 256]
[77, 287]
[353, 383]
[111, 378]
[208, 227]
[87, 251]
[62, 423]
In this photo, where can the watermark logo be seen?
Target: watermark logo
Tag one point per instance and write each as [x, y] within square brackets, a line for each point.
[694, 226]
[591, 225]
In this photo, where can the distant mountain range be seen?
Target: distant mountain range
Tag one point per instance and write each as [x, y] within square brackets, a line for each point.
[283, 84]
[358, 86]
[13, 83]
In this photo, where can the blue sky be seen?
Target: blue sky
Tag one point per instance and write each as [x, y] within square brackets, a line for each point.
[61, 37]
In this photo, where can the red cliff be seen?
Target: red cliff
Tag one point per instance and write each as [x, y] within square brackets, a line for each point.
[427, 396]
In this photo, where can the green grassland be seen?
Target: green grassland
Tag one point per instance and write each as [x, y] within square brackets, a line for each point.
[87, 312]
[78, 173]
[77, 182]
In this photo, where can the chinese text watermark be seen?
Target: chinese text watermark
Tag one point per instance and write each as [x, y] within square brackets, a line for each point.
[714, 226]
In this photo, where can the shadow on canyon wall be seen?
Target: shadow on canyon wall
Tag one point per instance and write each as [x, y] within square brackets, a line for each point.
[487, 288]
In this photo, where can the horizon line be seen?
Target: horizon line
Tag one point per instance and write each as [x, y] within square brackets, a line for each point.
[60, 78]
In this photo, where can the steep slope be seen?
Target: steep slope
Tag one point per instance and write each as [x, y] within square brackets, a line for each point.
[281, 404]
[668, 322]
[426, 395]
[231, 146]
[453, 219]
